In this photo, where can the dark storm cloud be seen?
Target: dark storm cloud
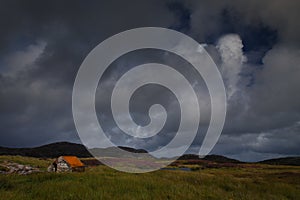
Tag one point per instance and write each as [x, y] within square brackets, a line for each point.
[42, 45]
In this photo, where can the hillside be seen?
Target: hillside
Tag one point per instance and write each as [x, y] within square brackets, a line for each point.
[212, 158]
[283, 161]
[66, 148]
[48, 151]
[60, 148]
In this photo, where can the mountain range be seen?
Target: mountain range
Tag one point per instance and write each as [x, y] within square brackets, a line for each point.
[66, 148]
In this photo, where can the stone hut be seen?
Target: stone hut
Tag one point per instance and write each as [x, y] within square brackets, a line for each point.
[66, 164]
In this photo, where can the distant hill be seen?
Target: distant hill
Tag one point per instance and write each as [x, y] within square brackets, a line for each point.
[220, 159]
[66, 148]
[48, 151]
[132, 150]
[60, 148]
[212, 158]
[283, 161]
[115, 152]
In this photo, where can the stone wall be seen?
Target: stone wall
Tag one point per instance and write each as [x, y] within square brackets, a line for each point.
[62, 166]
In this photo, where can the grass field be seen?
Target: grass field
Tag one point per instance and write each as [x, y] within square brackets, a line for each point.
[260, 182]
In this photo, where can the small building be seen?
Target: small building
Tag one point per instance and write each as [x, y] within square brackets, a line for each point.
[67, 164]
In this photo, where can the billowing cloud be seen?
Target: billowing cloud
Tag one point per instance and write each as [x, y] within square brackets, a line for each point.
[230, 49]
[44, 43]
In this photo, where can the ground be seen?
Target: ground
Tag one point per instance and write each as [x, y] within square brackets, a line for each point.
[251, 182]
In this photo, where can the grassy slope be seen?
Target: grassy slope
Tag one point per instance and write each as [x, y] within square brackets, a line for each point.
[267, 182]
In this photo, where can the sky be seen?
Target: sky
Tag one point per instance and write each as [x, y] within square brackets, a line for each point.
[255, 44]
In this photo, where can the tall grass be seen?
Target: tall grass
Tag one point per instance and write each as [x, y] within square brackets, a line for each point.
[104, 183]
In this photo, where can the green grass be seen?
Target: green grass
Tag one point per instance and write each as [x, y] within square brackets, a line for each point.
[265, 182]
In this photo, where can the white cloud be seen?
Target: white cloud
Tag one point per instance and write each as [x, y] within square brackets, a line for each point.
[20, 59]
[230, 48]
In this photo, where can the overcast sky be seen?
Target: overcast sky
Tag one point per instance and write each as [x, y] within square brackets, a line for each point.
[255, 44]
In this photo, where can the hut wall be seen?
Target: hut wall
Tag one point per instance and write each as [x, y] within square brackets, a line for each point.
[62, 166]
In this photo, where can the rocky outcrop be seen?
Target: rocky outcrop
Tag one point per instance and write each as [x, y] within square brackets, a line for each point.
[16, 168]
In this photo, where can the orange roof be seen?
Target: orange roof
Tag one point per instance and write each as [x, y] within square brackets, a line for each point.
[73, 161]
